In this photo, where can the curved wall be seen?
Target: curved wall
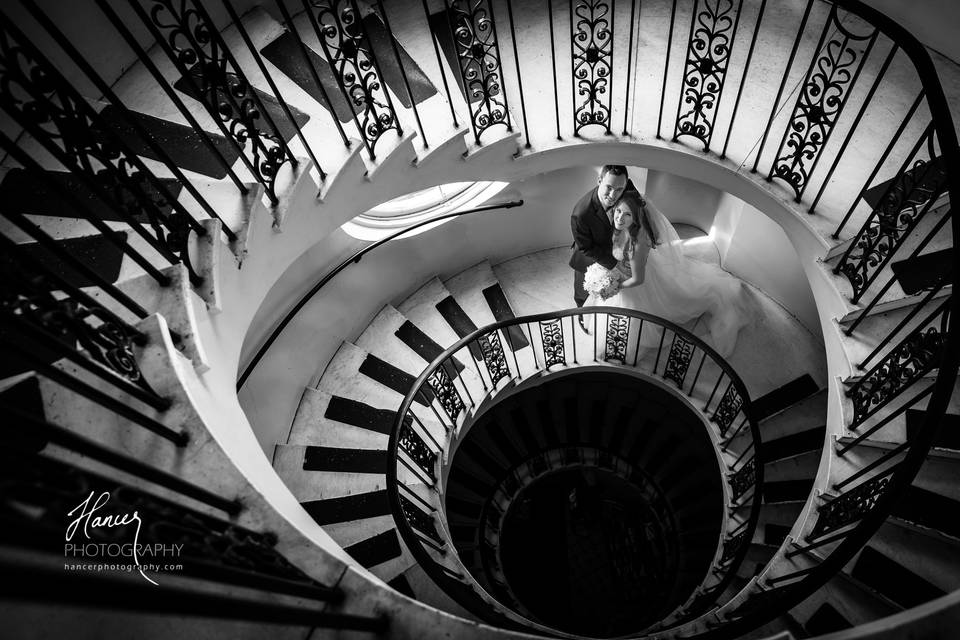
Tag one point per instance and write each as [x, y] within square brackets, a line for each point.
[753, 248]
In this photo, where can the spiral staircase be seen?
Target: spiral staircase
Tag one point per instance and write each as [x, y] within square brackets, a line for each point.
[169, 163]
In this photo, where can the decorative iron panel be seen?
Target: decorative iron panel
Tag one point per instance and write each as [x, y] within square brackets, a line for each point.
[446, 393]
[915, 356]
[849, 507]
[478, 54]
[552, 339]
[591, 36]
[744, 478]
[678, 360]
[202, 57]
[346, 44]
[419, 520]
[727, 410]
[28, 298]
[493, 357]
[413, 445]
[41, 100]
[708, 55]
[40, 493]
[732, 546]
[906, 200]
[618, 332]
[826, 88]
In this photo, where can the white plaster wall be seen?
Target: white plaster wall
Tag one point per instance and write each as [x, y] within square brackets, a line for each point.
[755, 249]
[760, 253]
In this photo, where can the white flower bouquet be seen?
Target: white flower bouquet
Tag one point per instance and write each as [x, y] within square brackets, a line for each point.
[600, 282]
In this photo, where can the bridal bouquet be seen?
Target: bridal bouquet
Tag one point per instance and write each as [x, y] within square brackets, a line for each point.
[601, 282]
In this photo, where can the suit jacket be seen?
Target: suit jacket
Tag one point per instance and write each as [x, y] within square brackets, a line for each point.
[592, 233]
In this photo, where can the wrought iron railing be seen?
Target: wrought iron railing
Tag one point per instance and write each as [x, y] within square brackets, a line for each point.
[73, 324]
[440, 405]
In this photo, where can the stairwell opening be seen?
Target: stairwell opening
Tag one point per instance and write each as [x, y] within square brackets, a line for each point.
[591, 503]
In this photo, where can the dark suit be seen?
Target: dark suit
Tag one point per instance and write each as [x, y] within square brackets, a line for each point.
[592, 239]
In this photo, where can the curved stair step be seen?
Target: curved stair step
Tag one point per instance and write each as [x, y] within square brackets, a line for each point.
[324, 419]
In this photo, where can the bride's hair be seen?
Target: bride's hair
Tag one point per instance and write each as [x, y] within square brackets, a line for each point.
[638, 207]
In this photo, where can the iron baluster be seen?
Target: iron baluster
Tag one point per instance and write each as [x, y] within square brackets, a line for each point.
[893, 278]
[553, 68]
[273, 87]
[783, 83]
[917, 354]
[851, 505]
[80, 138]
[825, 89]
[592, 63]
[853, 127]
[308, 62]
[403, 72]
[886, 420]
[626, 107]
[883, 158]
[227, 96]
[873, 465]
[443, 75]
[142, 56]
[516, 62]
[705, 69]
[474, 34]
[666, 67]
[743, 79]
[617, 336]
[108, 93]
[68, 258]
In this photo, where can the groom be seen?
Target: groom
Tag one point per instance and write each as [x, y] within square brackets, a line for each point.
[592, 226]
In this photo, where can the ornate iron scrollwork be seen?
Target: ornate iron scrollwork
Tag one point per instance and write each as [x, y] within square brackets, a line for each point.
[413, 445]
[907, 198]
[28, 298]
[591, 36]
[744, 478]
[825, 91]
[849, 507]
[347, 47]
[493, 357]
[727, 410]
[478, 53]
[41, 100]
[202, 57]
[618, 331]
[447, 395]
[732, 546]
[422, 522]
[708, 55]
[678, 360]
[916, 355]
[552, 340]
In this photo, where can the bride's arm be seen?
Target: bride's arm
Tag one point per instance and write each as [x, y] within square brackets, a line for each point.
[638, 263]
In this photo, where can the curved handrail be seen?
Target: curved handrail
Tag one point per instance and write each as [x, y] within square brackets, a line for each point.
[949, 352]
[295, 309]
[427, 390]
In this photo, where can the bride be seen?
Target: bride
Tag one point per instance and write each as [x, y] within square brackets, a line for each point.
[661, 280]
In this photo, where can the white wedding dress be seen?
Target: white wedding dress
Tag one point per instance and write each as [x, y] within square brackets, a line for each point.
[679, 288]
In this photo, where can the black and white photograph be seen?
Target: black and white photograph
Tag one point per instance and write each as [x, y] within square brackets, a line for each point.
[479, 319]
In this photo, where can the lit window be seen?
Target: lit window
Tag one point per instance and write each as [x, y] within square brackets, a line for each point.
[412, 208]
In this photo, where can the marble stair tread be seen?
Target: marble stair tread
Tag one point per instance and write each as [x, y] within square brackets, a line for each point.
[466, 288]
[801, 416]
[537, 282]
[297, 467]
[937, 475]
[351, 532]
[382, 338]
[882, 445]
[933, 559]
[344, 376]
[429, 593]
[321, 420]
[420, 308]
[872, 331]
[800, 467]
